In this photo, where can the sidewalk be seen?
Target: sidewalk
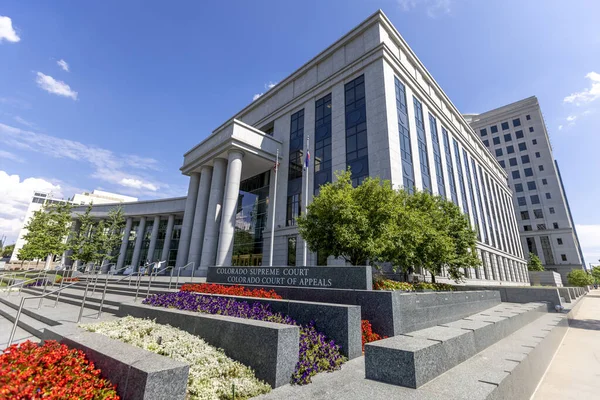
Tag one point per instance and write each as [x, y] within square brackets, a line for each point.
[575, 370]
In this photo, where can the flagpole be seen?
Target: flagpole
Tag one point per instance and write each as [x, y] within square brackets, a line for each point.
[306, 196]
[274, 210]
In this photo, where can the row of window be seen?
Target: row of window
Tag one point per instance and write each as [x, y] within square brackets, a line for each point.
[540, 227]
[546, 249]
[494, 128]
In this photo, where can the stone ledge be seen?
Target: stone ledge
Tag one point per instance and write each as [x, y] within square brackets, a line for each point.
[513, 294]
[138, 373]
[270, 349]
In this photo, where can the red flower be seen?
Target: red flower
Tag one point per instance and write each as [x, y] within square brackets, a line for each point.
[368, 335]
[212, 288]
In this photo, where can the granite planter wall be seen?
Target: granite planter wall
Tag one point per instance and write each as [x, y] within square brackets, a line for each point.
[545, 278]
[512, 294]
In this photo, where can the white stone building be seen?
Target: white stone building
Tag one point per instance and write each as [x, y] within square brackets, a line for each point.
[517, 136]
[366, 102]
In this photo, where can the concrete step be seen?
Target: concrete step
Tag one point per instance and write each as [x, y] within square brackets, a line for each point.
[21, 335]
[74, 297]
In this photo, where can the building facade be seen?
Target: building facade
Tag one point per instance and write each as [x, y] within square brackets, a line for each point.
[517, 136]
[40, 199]
[366, 102]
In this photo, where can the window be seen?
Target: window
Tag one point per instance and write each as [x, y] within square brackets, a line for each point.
[563, 257]
[518, 187]
[322, 163]
[483, 132]
[528, 172]
[508, 137]
[521, 201]
[293, 209]
[538, 213]
[449, 166]
[504, 126]
[519, 134]
[531, 185]
[480, 200]
[408, 175]
[551, 209]
[528, 117]
[522, 146]
[531, 129]
[524, 215]
[516, 122]
[525, 159]
[502, 163]
[534, 141]
[555, 225]
[494, 129]
[541, 167]
[496, 140]
[291, 251]
[527, 228]
[541, 227]
[512, 162]
[461, 181]
[531, 246]
[510, 149]
[356, 130]
[437, 157]
[471, 193]
[559, 241]
[535, 199]
[537, 154]
[486, 143]
[547, 250]
[422, 145]
[548, 196]
[498, 152]
[516, 174]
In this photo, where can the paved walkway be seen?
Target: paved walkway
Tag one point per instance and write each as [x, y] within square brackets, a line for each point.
[575, 371]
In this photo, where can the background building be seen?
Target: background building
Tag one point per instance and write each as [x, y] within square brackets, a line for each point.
[40, 198]
[516, 135]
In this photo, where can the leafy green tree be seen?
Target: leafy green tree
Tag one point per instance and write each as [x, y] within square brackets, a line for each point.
[82, 242]
[8, 250]
[348, 222]
[109, 238]
[596, 273]
[36, 237]
[579, 277]
[244, 242]
[534, 263]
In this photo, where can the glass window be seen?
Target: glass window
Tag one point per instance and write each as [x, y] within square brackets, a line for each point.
[508, 137]
[422, 145]
[437, 156]
[537, 154]
[547, 250]
[483, 132]
[408, 175]
[527, 228]
[528, 172]
[480, 201]
[449, 166]
[516, 122]
[535, 199]
[496, 140]
[524, 215]
[528, 117]
[356, 130]
[293, 210]
[522, 146]
[555, 225]
[541, 227]
[486, 143]
[296, 152]
[498, 152]
[510, 149]
[516, 174]
[502, 163]
[531, 245]
[551, 209]
[534, 141]
[322, 163]
[291, 251]
[544, 181]
[494, 129]
[461, 181]
[548, 196]
[525, 159]
[504, 126]
[559, 241]
[519, 134]
[541, 167]
[518, 187]
[531, 185]
[563, 257]
[531, 129]
[512, 162]
[538, 213]
[521, 201]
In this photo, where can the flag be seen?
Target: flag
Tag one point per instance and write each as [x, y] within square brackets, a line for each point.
[307, 160]
[275, 166]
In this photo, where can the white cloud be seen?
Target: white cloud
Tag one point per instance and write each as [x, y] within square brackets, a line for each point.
[7, 32]
[586, 95]
[5, 155]
[15, 196]
[268, 86]
[560, 127]
[434, 8]
[256, 96]
[589, 239]
[571, 118]
[118, 169]
[23, 121]
[63, 64]
[53, 86]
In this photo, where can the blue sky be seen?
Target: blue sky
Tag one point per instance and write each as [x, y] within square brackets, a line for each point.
[146, 80]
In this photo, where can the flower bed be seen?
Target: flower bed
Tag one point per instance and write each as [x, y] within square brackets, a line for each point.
[212, 288]
[388, 284]
[67, 280]
[50, 371]
[317, 354]
[368, 335]
[212, 373]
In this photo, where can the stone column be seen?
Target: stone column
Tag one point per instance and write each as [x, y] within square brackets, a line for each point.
[153, 237]
[230, 199]
[188, 220]
[213, 214]
[168, 234]
[137, 249]
[200, 216]
[124, 243]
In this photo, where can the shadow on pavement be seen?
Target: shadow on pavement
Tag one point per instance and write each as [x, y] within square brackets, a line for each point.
[589, 324]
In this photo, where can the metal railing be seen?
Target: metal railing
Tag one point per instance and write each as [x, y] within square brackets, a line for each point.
[154, 274]
[41, 297]
[179, 273]
[98, 275]
[22, 283]
[117, 281]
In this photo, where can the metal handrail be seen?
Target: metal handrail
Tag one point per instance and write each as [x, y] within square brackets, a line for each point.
[41, 297]
[8, 289]
[106, 285]
[155, 274]
[146, 269]
[98, 274]
[179, 273]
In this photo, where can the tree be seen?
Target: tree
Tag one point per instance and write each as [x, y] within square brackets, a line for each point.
[82, 242]
[36, 236]
[111, 235]
[579, 277]
[8, 250]
[348, 222]
[534, 263]
[596, 273]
